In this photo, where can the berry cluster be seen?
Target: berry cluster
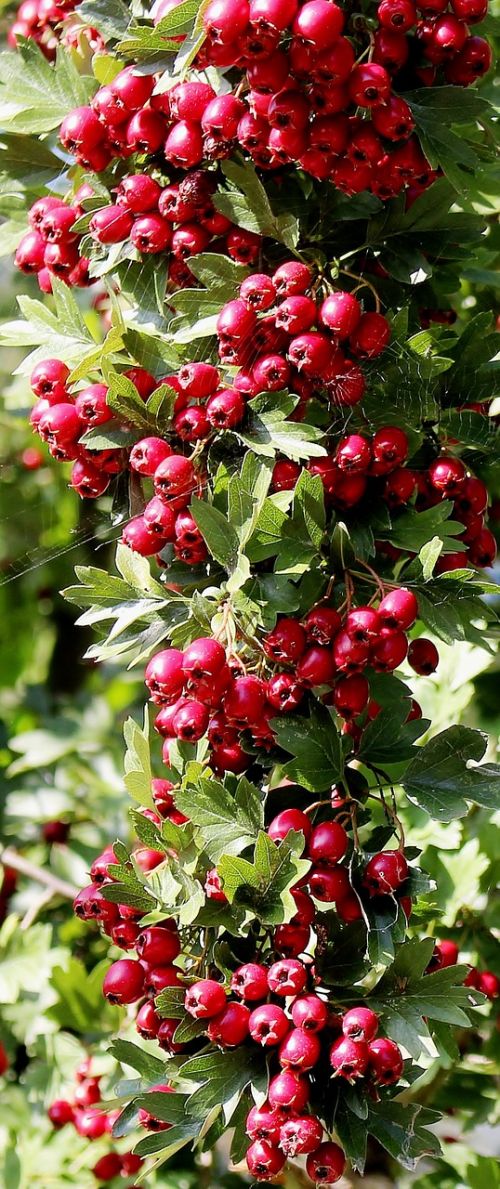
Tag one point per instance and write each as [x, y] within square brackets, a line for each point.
[46, 23]
[202, 691]
[446, 953]
[301, 342]
[179, 217]
[84, 1112]
[50, 248]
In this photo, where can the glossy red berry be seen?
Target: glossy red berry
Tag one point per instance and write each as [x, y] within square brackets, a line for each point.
[249, 982]
[371, 336]
[299, 1050]
[300, 1136]
[384, 1061]
[287, 977]
[360, 1023]
[398, 610]
[328, 884]
[124, 981]
[423, 656]
[288, 1092]
[326, 1165]
[158, 946]
[230, 1028]
[205, 999]
[316, 667]
[289, 819]
[349, 1058]
[447, 474]
[341, 313]
[327, 843]
[351, 695]
[268, 1025]
[310, 1013]
[61, 1112]
[264, 1161]
[385, 873]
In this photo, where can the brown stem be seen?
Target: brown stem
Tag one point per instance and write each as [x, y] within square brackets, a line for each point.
[59, 887]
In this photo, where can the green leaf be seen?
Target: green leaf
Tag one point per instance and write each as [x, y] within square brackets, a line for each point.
[407, 997]
[388, 739]
[127, 1053]
[443, 775]
[436, 110]
[35, 96]
[403, 1131]
[226, 824]
[223, 1077]
[263, 886]
[316, 746]
[246, 204]
[111, 17]
[268, 432]
[412, 530]
[219, 535]
[137, 762]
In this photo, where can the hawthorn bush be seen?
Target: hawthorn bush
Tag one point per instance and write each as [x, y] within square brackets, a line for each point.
[277, 400]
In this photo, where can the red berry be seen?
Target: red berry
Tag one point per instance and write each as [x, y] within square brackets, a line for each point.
[264, 1161]
[360, 1023]
[124, 981]
[230, 1028]
[349, 1058]
[300, 1136]
[175, 480]
[351, 695]
[371, 336]
[321, 625]
[289, 819]
[399, 15]
[205, 999]
[150, 1121]
[287, 977]
[385, 873]
[389, 449]
[369, 85]
[268, 1025]
[164, 676]
[326, 1164]
[398, 610]
[288, 1092]
[263, 1123]
[299, 1050]
[158, 946]
[316, 667]
[108, 1167]
[61, 1112]
[447, 474]
[423, 656]
[284, 693]
[489, 984]
[147, 1021]
[327, 843]
[244, 702]
[341, 313]
[310, 1013]
[385, 1061]
[328, 884]
[350, 655]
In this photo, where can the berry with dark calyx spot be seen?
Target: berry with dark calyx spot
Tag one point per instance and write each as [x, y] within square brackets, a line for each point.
[447, 474]
[349, 1058]
[190, 721]
[230, 1028]
[360, 1023]
[158, 946]
[138, 537]
[423, 656]
[288, 1092]
[398, 610]
[389, 652]
[284, 693]
[175, 480]
[327, 843]
[292, 277]
[147, 455]
[353, 454]
[385, 873]
[263, 1123]
[165, 1037]
[286, 642]
[205, 999]
[328, 884]
[349, 655]
[326, 1164]
[164, 676]
[310, 353]
[268, 1025]
[389, 450]
[300, 1136]
[226, 409]
[48, 380]
[264, 1161]
[363, 624]
[157, 978]
[385, 1062]
[299, 1050]
[482, 552]
[287, 977]
[147, 1021]
[160, 519]
[321, 625]
[289, 819]
[124, 981]
[291, 940]
[341, 313]
[310, 1013]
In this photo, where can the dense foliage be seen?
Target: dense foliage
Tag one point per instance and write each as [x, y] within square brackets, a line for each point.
[256, 251]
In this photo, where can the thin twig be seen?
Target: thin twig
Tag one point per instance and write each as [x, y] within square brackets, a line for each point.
[58, 887]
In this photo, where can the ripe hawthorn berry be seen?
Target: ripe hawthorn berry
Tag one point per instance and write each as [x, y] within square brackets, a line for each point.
[385, 873]
[326, 1164]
